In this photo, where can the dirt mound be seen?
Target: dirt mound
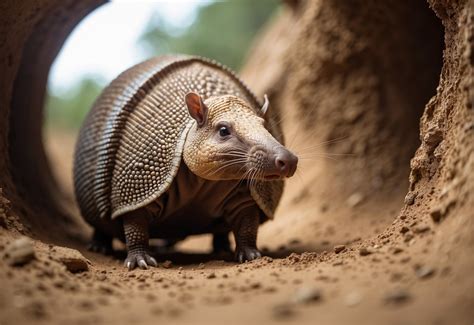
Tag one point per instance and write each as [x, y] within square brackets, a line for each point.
[375, 228]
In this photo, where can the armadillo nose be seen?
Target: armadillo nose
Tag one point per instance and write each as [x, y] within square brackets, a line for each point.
[286, 163]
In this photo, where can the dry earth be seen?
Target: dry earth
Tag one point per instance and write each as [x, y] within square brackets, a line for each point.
[377, 227]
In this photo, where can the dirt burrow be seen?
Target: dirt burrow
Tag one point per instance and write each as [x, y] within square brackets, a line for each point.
[377, 229]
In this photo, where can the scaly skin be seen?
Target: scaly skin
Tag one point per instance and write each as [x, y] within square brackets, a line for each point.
[136, 237]
[245, 229]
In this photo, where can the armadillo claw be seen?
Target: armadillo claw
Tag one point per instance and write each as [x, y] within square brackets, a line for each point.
[247, 254]
[140, 259]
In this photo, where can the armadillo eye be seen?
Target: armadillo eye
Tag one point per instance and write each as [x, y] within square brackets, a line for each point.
[224, 131]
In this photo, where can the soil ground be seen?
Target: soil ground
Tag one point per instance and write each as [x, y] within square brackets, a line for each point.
[369, 281]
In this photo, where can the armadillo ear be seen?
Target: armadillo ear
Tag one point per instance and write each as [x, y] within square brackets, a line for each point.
[265, 105]
[196, 107]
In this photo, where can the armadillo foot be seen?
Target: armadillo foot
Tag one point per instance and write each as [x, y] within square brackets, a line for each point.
[139, 258]
[247, 254]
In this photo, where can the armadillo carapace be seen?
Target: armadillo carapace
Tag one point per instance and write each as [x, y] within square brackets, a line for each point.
[176, 146]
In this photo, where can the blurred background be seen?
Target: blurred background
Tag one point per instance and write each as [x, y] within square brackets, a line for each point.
[122, 33]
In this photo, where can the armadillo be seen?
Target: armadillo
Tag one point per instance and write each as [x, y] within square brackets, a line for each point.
[177, 146]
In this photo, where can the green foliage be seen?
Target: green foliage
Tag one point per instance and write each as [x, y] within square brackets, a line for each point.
[222, 31]
[68, 110]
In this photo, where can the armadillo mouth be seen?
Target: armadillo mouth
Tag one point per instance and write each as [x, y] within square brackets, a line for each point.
[272, 177]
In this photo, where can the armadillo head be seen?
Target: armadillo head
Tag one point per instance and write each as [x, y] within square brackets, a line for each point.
[229, 141]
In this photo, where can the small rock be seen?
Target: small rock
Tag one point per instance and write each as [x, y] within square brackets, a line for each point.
[410, 198]
[421, 229]
[404, 229]
[211, 276]
[306, 295]
[424, 272]
[74, 261]
[167, 264]
[397, 250]
[397, 297]
[355, 199]
[432, 138]
[339, 248]
[20, 251]
[364, 251]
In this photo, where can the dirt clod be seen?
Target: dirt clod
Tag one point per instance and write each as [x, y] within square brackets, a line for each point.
[436, 214]
[421, 229]
[404, 229]
[410, 198]
[364, 251]
[339, 248]
[424, 272]
[74, 261]
[19, 252]
[397, 297]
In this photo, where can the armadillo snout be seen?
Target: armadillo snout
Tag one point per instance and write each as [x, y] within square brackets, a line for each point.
[286, 163]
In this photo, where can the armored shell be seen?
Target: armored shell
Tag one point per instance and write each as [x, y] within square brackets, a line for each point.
[131, 143]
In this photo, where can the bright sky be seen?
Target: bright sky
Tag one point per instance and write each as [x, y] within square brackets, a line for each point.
[105, 42]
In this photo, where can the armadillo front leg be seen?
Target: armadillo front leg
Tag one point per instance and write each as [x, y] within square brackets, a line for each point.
[245, 228]
[136, 237]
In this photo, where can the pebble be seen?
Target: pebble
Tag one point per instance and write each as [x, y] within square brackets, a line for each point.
[421, 229]
[396, 250]
[211, 275]
[339, 248]
[397, 297]
[404, 229]
[20, 251]
[306, 295]
[410, 198]
[424, 272]
[408, 237]
[364, 251]
[355, 199]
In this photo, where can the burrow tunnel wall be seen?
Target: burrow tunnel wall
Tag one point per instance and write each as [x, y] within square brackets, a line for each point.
[361, 71]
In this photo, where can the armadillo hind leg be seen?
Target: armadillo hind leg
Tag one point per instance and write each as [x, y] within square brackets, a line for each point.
[221, 243]
[101, 243]
[135, 227]
[245, 228]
